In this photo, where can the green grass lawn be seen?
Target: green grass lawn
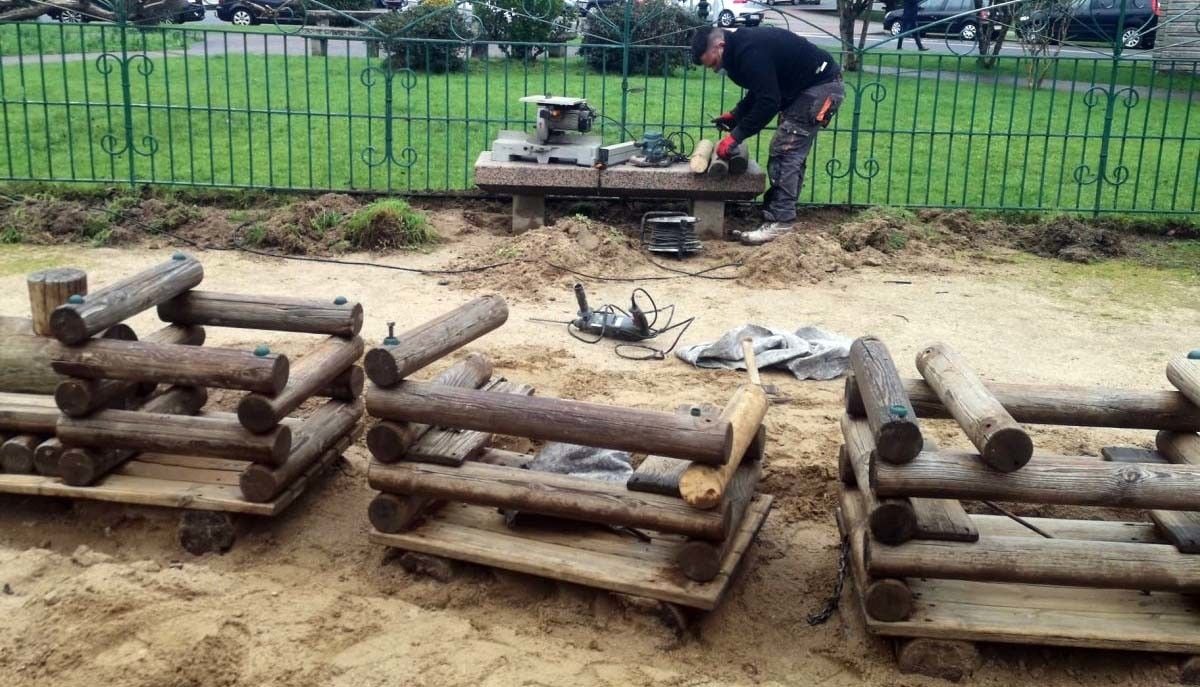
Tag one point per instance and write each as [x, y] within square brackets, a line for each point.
[33, 38]
[288, 121]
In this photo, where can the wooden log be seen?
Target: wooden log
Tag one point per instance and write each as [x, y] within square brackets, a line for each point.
[26, 360]
[947, 659]
[72, 323]
[1184, 374]
[1064, 405]
[1180, 448]
[1036, 560]
[897, 435]
[28, 413]
[314, 371]
[347, 386]
[333, 316]
[392, 513]
[1063, 480]
[80, 397]
[1003, 445]
[80, 466]
[550, 494]
[49, 289]
[890, 520]
[327, 427]
[388, 365]
[659, 474]
[698, 162]
[452, 447]
[16, 454]
[388, 441]
[1181, 528]
[700, 560]
[552, 419]
[46, 457]
[887, 600]
[716, 166]
[174, 364]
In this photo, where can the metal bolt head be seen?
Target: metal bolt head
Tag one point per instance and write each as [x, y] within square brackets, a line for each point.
[695, 411]
[1194, 355]
[340, 300]
[262, 350]
[75, 299]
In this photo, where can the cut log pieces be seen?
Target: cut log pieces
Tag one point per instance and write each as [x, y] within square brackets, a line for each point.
[1184, 374]
[28, 413]
[1003, 444]
[392, 513]
[164, 363]
[701, 560]
[314, 371]
[318, 433]
[897, 436]
[1063, 405]
[81, 465]
[49, 289]
[552, 419]
[335, 316]
[347, 386]
[699, 159]
[79, 397]
[390, 441]
[885, 599]
[1181, 528]
[1061, 480]
[46, 457]
[563, 496]
[74, 322]
[388, 365]
[16, 454]
[703, 486]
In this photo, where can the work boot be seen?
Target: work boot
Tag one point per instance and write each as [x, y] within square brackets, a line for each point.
[765, 233]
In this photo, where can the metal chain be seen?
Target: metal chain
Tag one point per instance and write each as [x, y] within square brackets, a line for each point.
[822, 616]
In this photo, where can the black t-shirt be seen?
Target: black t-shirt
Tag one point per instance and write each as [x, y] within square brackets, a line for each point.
[774, 65]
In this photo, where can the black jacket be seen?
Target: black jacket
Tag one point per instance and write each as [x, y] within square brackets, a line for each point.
[773, 65]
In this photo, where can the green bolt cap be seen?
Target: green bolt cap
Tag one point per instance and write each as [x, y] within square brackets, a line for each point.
[262, 350]
[340, 300]
[898, 410]
[179, 256]
[75, 299]
[1194, 355]
[695, 412]
[391, 341]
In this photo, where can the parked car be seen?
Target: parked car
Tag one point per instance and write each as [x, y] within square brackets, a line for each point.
[586, 6]
[965, 27]
[393, 4]
[1098, 21]
[728, 13]
[195, 12]
[242, 13]
[772, 3]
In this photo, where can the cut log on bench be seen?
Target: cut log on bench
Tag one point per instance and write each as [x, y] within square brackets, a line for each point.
[332, 316]
[1003, 445]
[1077, 406]
[175, 364]
[49, 289]
[1184, 374]
[897, 436]
[28, 413]
[327, 427]
[16, 454]
[79, 397]
[553, 419]
[73, 323]
[311, 373]
[388, 365]
[703, 486]
[699, 159]
[551, 494]
[1062, 480]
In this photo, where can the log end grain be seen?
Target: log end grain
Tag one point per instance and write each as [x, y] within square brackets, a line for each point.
[256, 414]
[899, 442]
[79, 467]
[701, 487]
[67, 325]
[282, 445]
[1008, 449]
[888, 601]
[392, 513]
[382, 368]
[893, 522]
[356, 320]
[279, 374]
[348, 386]
[388, 442]
[202, 532]
[17, 456]
[948, 659]
[46, 457]
[259, 483]
[699, 561]
[74, 396]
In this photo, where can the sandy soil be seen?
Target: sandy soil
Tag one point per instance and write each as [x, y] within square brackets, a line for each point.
[101, 594]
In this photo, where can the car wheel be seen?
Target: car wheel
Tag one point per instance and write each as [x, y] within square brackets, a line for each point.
[968, 32]
[70, 17]
[1131, 38]
[725, 18]
[242, 18]
[893, 28]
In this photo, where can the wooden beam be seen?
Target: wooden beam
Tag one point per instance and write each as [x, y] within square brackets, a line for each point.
[1184, 374]
[315, 370]
[388, 365]
[1181, 528]
[1063, 480]
[332, 316]
[897, 436]
[73, 323]
[1030, 560]
[1040, 404]
[174, 364]
[347, 386]
[328, 427]
[552, 419]
[703, 486]
[49, 289]
[551, 494]
[26, 359]
[1003, 445]
[27, 413]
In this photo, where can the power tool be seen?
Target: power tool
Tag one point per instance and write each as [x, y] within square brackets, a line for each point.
[610, 321]
[562, 135]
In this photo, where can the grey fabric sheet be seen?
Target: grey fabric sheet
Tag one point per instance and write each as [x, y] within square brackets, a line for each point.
[808, 353]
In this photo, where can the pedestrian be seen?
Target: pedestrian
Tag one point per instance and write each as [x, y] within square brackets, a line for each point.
[783, 74]
[908, 22]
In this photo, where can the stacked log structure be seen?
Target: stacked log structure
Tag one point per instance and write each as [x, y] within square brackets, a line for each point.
[900, 506]
[82, 394]
[715, 452]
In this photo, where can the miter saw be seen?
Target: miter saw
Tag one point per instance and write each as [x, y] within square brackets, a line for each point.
[562, 136]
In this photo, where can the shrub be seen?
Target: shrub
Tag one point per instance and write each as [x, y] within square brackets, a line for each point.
[524, 21]
[655, 23]
[433, 19]
[388, 223]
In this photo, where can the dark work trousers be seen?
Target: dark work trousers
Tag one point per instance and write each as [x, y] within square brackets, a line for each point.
[798, 127]
[908, 22]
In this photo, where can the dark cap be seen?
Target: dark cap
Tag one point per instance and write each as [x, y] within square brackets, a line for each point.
[700, 42]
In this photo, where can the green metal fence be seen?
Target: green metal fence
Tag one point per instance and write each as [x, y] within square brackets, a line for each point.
[113, 103]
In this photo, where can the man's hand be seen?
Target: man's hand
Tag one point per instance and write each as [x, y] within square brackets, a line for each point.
[725, 122]
[726, 146]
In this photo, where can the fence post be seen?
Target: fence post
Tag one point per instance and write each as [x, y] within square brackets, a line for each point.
[1106, 136]
[122, 16]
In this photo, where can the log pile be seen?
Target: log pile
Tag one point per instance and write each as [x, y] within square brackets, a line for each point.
[81, 395]
[923, 567]
[440, 483]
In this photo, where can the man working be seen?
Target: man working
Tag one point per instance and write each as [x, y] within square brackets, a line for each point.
[784, 75]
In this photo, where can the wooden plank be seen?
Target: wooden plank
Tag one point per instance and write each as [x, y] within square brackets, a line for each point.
[1181, 528]
[556, 558]
[174, 473]
[1129, 454]
[1080, 530]
[445, 446]
[199, 462]
[943, 519]
[143, 491]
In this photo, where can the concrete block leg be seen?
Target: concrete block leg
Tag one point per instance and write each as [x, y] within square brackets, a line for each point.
[711, 216]
[529, 212]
